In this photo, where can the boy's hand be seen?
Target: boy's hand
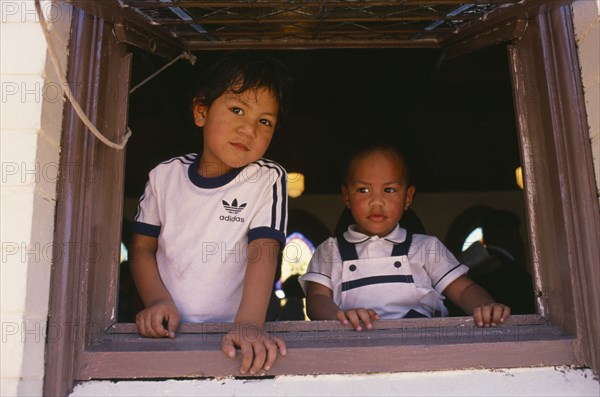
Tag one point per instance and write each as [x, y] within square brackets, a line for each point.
[356, 316]
[490, 314]
[259, 349]
[150, 321]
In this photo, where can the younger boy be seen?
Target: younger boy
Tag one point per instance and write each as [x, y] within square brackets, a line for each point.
[209, 226]
[378, 270]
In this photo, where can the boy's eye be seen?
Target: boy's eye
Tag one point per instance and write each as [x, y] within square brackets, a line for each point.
[363, 190]
[266, 122]
[390, 190]
[236, 110]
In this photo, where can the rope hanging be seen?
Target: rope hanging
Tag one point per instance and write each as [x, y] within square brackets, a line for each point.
[69, 93]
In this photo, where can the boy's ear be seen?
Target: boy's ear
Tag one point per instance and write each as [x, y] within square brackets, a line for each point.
[345, 196]
[200, 110]
[410, 194]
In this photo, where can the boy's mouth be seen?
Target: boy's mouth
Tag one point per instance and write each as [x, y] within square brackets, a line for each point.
[376, 217]
[240, 146]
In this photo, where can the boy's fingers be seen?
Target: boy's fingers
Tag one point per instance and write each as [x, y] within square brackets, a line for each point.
[145, 327]
[505, 313]
[495, 314]
[365, 317]
[342, 318]
[139, 322]
[500, 313]
[373, 314]
[260, 356]
[157, 325]
[354, 320]
[172, 325]
[477, 317]
[271, 354]
[227, 346]
[486, 315]
[281, 345]
[247, 355]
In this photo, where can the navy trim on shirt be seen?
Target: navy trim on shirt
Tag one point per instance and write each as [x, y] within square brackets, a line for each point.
[262, 162]
[266, 232]
[321, 274]
[361, 282]
[145, 229]
[210, 183]
[402, 248]
[274, 207]
[347, 250]
[448, 272]
[283, 202]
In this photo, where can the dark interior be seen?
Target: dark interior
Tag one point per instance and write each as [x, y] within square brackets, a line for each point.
[454, 116]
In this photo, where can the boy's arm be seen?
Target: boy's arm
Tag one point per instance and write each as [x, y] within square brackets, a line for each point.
[159, 306]
[320, 306]
[319, 302]
[258, 349]
[475, 300]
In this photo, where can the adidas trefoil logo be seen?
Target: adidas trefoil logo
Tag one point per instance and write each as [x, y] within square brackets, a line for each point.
[233, 208]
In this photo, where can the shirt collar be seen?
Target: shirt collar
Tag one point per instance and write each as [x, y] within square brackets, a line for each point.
[353, 236]
[213, 182]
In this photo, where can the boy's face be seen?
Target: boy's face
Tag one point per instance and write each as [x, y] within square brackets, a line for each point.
[377, 192]
[238, 129]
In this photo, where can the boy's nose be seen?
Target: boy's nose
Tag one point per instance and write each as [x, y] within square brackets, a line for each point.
[376, 200]
[247, 128]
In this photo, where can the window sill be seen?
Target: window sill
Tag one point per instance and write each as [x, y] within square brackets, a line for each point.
[325, 347]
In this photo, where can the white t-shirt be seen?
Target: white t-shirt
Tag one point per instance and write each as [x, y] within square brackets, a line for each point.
[390, 286]
[204, 225]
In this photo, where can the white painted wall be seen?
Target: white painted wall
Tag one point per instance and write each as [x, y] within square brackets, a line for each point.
[545, 381]
[586, 18]
[30, 127]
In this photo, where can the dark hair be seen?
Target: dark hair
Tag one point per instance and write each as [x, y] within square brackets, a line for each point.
[378, 145]
[239, 71]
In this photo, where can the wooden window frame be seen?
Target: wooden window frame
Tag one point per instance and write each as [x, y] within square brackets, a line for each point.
[84, 341]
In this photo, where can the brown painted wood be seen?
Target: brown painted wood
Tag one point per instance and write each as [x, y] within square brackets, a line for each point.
[500, 25]
[160, 36]
[84, 274]
[266, 21]
[328, 348]
[559, 181]
[321, 3]
[542, 187]
[107, 183]
[499, 32]
[322, 326]
[65, 307]
[331, 44]
[581, 213]
[155, 39]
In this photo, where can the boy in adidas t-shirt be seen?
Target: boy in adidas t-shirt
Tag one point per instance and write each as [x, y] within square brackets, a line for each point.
[378, 270]
[209, 226]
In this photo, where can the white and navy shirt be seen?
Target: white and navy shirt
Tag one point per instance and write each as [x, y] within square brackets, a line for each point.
[204, 226]
[399, 275]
